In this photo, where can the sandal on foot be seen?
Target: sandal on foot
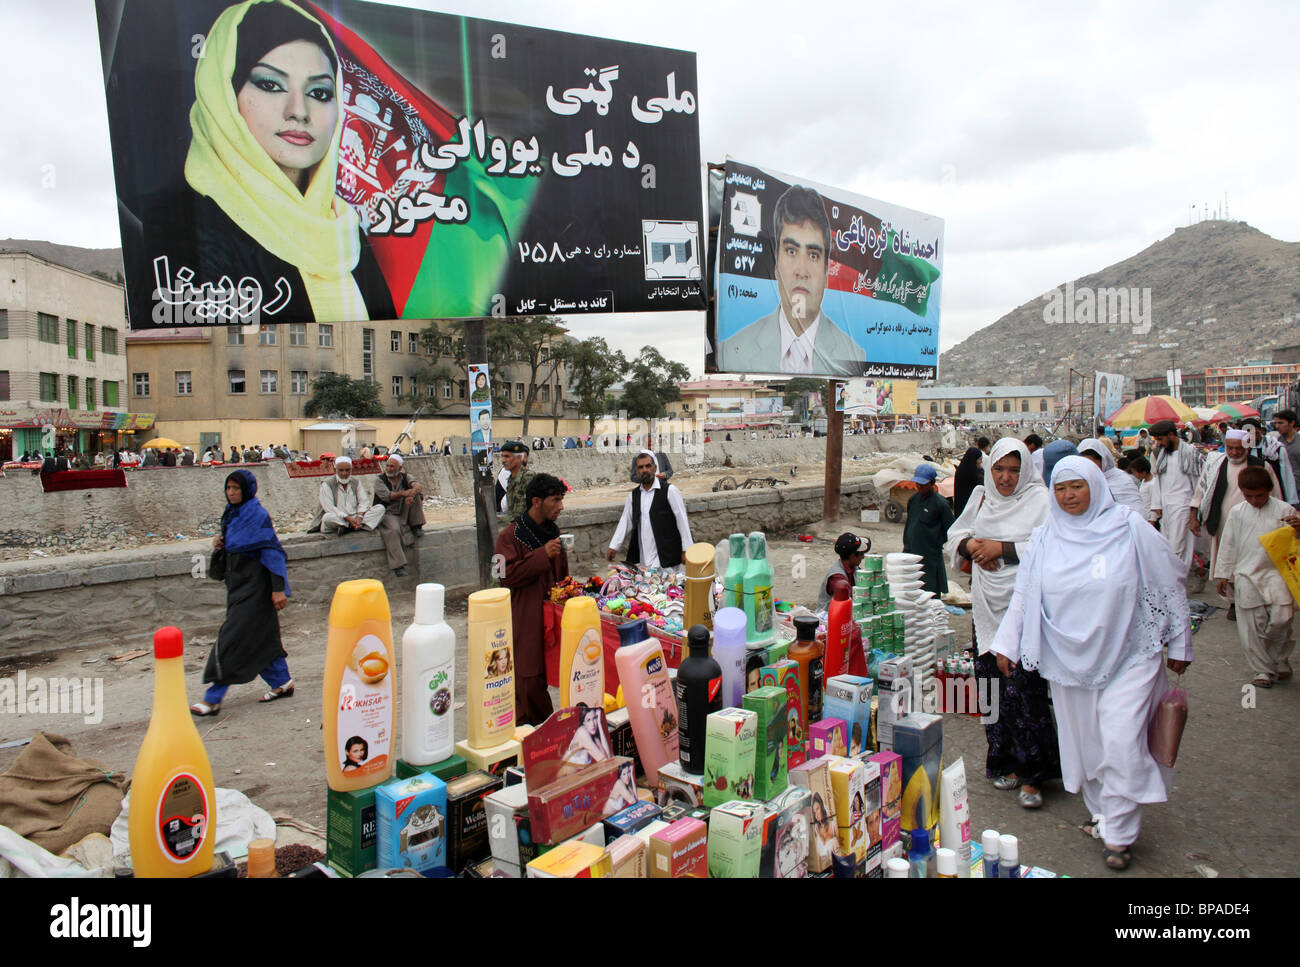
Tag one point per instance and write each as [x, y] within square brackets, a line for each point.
[1262, 681]
[1283, 676]
[1031, 800]
[1117, 859]
[203, 708]
[1007, 782]
[1090, 827]
[284, 691]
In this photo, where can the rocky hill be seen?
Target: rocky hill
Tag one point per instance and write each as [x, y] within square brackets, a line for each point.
[1220, 293]
[88, 260]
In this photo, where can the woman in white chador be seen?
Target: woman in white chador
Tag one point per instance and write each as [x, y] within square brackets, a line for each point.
[1265, 607]
[1099, 597]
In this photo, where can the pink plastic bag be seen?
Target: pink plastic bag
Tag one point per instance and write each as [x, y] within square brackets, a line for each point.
[1166, 729]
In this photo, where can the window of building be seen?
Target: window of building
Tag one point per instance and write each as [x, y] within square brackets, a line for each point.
[49, 387]
[397, 387]
[4, 384]
[266, 335]
[72, 393]
[297, 334]
[947, 409]
[446, 345]
[47, 328]
[429, 391]
[140, 382]
[270, 381]
[546, 392]
[184, 385]
[4, 323]
[298, 382]
[446, 389]
[1006, 406]
[1024, 406]
[71, 328]
[979, 406]
[90, 341]
[412, 342]
[519, 392]
[934, 409]
[395, 341]
[461, 388]
[546, 354]
[108, 341]
[325, 336]
[234, 336]
[1042, 406]
[961, 407]
[368, 355]
[237, 383]
[90, 392]
[110, 392]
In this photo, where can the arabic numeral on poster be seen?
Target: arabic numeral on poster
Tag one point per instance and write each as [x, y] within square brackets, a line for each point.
[498, 46]
[198, 42]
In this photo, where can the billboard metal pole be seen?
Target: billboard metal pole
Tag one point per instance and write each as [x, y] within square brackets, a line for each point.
[834, 455]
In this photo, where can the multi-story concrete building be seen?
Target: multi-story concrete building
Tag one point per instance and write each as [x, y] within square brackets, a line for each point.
[62, 358]
[987, 404]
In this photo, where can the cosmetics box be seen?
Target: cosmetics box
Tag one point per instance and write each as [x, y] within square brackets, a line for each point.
[412, 817]
[676, 785]
[446, 770]
[918, 739]
[735, 843]
[785, 674]
[785, 835]
[569, 805]
[627, 856]
[769, 704]
[351, 831]
[493, 760]
[575, 860]
[510, 831]
[629, 820]
[467, 832]
[729, 748]
[680, 850]
[823, 827]
[829, 736]
[848, 779]
[848, 697]
[872, 814]
[891, 796]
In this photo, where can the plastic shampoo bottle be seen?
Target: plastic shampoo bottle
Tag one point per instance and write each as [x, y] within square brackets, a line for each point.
[839, 632]
[730, 653]
[733, 579]
[172, 822]
[490, 682]
[428, 681]
[807, 651]
[651, 705]
[758, 590]
[357, 698]
[582, 654]
[699, 692]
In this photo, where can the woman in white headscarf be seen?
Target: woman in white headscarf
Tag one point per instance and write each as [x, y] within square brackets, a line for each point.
[1099, 597]
[1120, 484]
[992, 533]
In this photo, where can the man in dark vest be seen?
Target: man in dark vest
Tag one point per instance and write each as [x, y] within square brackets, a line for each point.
[655, 519]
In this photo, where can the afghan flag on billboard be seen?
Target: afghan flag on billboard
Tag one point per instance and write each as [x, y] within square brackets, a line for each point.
[386, 120]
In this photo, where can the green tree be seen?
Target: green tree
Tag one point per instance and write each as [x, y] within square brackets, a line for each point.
[538, 342]
[340, 394]
[652, 384]
[798, 386]
[593, 368]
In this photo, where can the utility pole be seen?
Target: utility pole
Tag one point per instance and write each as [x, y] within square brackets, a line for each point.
[834, 455]
[485, 518]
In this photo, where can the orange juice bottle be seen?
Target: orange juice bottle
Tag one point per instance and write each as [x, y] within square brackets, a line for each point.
[172, 822]
[357, 702]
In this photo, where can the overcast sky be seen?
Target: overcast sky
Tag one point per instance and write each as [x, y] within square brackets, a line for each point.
[1053, 139]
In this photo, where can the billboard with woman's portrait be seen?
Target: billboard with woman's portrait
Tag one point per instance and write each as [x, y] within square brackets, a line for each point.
[281, 161]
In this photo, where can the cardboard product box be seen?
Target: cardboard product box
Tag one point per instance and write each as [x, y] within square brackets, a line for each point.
[645, 832]
[893, 705]
[785, 835]
[755, 659]
[919, 740]
[594, 835]
[627, 856]
[621, 739]
[493, 760]
[446, 770]
[770, 772]
[569, 741]
[891, 796]
[729, 747]
[872, 819]
[823, 825]
[351, 831]
[848, 697]
[848, 779]
[676, 785]
[680, 851]
[514, 775]
[569, 805]
[735, 843]
[467, 826]
[873, 735]
[674, 811]
[977, 861]
[785, 674]
[829, 736]
[778, 651]
[412, 816]
[629, 820]
[510, 830]
[568, 861]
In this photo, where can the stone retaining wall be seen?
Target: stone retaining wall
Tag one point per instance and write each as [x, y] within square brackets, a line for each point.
[115, 599]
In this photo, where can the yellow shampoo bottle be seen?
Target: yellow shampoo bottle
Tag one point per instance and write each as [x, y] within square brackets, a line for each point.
[172, 821]
[490, 677]
[357, 701]
[582, 655]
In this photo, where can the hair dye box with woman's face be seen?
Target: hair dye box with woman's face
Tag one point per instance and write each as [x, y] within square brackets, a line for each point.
[785, 675]
[848, 784]
[730, 743]
[555, 749]
[770, 772]
[848, 697]
[891, 796]
[786, 835]
[828, 736]
[467, 832]
[823, 827]
[412, 816]
[735, 840]
[569, 805]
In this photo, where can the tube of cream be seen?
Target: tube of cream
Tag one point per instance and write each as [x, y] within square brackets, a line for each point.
[954, 815]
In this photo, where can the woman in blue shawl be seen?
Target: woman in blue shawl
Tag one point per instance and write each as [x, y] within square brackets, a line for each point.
[257, 586]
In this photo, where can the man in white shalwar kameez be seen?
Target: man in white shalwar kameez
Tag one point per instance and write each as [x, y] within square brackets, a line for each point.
[1176, 465]
[344, 504]
[1265, 607]
[1098, 599]
[1217, 490]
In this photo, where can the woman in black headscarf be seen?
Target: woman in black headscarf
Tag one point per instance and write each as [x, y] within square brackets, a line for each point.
[969, 476]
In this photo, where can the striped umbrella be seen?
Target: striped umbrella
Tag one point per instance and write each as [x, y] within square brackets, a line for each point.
[1228, 412]
[1149, 410]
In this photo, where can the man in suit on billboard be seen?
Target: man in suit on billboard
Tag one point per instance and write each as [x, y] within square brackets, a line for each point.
[797, 337]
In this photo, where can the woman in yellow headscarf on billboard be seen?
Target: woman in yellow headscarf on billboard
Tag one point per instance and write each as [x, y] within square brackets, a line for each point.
[266, 125]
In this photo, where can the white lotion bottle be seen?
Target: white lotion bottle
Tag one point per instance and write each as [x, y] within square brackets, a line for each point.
[428, 681]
